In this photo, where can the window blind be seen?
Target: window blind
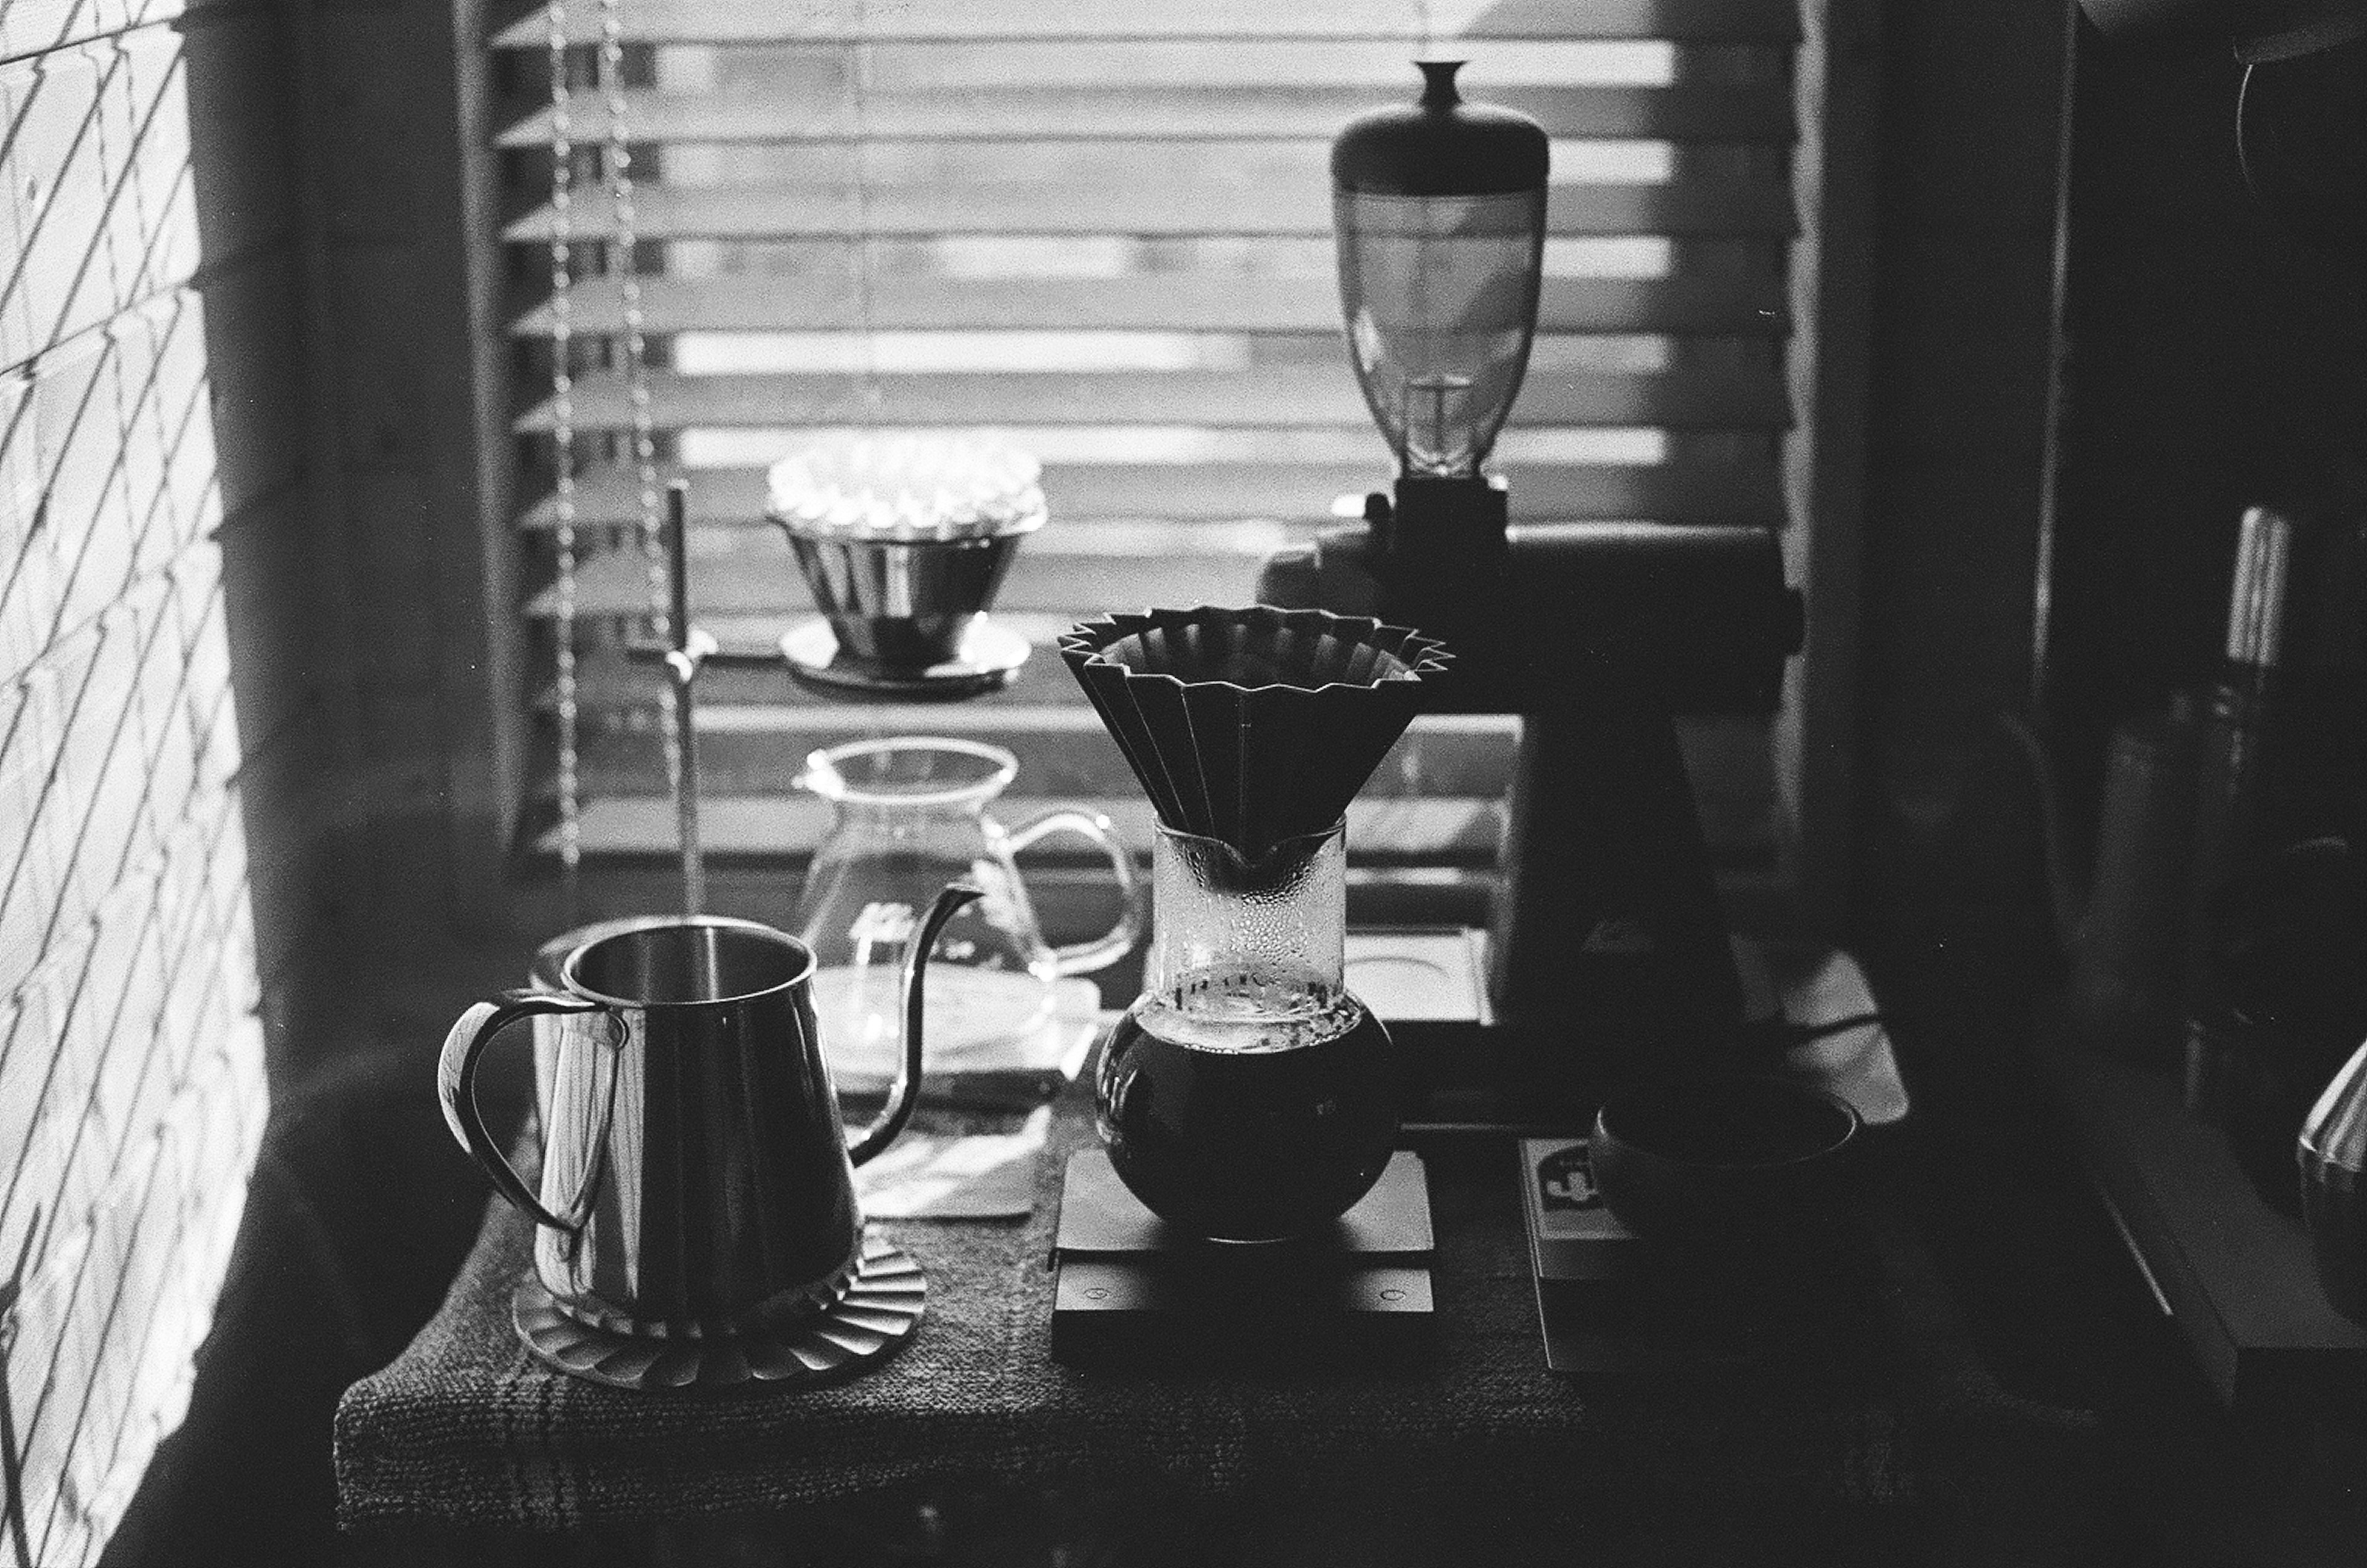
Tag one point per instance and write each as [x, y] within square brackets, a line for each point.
[1104, 229]
[131, 1081]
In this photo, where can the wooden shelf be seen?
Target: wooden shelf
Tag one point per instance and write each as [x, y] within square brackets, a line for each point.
[2232, 1273]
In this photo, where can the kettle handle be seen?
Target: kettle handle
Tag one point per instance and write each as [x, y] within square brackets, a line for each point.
[1084, 957]
[456, 1086]
[905, 1093]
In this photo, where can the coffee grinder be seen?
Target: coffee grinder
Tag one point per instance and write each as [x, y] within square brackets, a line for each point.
[1608, 952]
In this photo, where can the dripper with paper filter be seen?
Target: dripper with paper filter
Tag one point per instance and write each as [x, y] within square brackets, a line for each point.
[1247, 1095]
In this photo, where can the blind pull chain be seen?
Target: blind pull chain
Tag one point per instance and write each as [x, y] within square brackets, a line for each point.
[624, 267]
[859, 90]
[562, 443]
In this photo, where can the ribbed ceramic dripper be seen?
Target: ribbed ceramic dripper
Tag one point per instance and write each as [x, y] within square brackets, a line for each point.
[1252, 726]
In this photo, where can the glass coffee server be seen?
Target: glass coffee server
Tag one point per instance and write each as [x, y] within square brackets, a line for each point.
[909, 814]
[1246, 1095]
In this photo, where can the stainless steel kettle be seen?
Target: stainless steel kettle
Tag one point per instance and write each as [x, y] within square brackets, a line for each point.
[696, 1180]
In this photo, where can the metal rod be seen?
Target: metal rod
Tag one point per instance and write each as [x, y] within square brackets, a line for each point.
[678, 561]
[683, 662]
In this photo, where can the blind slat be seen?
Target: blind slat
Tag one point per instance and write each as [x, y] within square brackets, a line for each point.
[1681, 111]
[735, 694]
[616, 584]
[94, 227]
[1066, 749]
[29, 27]
[1381, 65]
[1273, 397]
[1749, 304]
[1738, 492]
[969, 21]
[106, 476]
[1693, 206]
[1433, 831]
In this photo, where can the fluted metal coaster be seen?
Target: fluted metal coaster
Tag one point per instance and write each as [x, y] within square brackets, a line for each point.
[874, 1320]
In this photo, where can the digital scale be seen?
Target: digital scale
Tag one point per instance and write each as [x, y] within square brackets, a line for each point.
[1134, 1290]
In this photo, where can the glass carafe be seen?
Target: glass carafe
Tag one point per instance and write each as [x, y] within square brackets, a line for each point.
[1247, 1095]
[911, 814]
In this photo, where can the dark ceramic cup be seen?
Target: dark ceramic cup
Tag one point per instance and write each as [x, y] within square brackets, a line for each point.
[1726, 1157]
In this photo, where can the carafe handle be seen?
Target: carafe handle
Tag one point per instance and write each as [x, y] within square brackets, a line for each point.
[456, 1086]
[905, 1093]
[1084, 957]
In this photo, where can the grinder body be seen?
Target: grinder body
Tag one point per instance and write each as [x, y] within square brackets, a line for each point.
[1609, 954]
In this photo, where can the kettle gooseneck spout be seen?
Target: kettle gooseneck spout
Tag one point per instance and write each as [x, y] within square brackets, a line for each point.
[904, 1092]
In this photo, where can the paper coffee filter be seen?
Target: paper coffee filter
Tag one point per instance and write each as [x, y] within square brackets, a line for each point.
[906, 487]
[1250, 725]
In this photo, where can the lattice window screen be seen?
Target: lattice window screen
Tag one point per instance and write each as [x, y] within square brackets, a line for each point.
[1106, 228]
[132, 1086]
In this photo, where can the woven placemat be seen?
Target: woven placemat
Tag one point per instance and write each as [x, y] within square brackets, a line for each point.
[465, 1428]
